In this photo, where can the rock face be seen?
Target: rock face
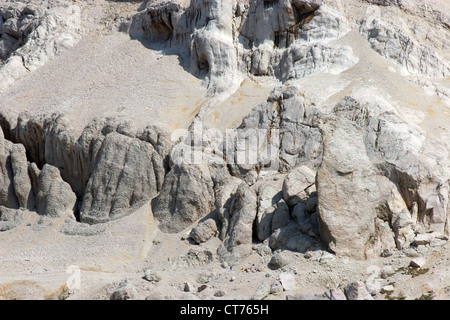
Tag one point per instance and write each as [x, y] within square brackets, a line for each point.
[238, 240]
[365, 153]
[25, 186]
[111, 169]
[186, 195]
[127, 172]
[54, 196]
[223, 39]
[340, 164]
[30, 36]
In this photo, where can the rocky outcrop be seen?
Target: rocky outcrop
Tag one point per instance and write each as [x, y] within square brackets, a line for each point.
[31, 35]
[186, 195]
[111, 168]
[238, 240]
[224, 40]
[287, 133]
[24, 186]
[379, 162]
[127, 172]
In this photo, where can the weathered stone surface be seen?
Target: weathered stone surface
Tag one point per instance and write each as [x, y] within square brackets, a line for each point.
[347, 189]
[54, 196]
[238, 241]
[357, 291]
[31, 35]
[186, 195]
[204, 231]
[193, 259]
[127, 173]
[298, 185]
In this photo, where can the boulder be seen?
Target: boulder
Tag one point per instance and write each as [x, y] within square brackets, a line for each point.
[204, 231]
[186, 195]
[238, 241]
[298, 185]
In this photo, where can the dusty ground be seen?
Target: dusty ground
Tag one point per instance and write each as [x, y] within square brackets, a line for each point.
[39, 262]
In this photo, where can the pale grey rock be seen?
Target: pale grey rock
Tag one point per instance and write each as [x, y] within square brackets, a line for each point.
[407, 47]
[126, 174]
[276, 287]
[124, 291]
[281, 216]
[387, 289]
[269, 202]
[262, 249]
[357, 291]
[7, 193]
[152, 275]
[238, 241]
[298, 185]
[337, 294]
[347, 188]
[290, 122]
[54, 196]
[193, 258]
[186, 195]
[36, 36]
[22, 183]
[111, 173]
[393, 173]
[10, 218]
[423, 239]
[262, 291]
[201, 31]
[387, 271]
[204, 231]
[290, 237]
[223, 199]
[221, 40]
[383, 241]
[280, 259]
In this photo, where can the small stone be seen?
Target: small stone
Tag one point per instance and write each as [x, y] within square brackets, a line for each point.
[202, 287]
[276, 287]
[387, 289]
[279, 260]
[435, 242]
[125, 291]
[326, 256]
[357, 291]
[386, 271]
[188, 287]
[261, 292]
[386, 253]
[337, 294]
[422, 239]
[287, 281]
[418, 262]
[219, 293]
[410, 252]
[152, 276]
